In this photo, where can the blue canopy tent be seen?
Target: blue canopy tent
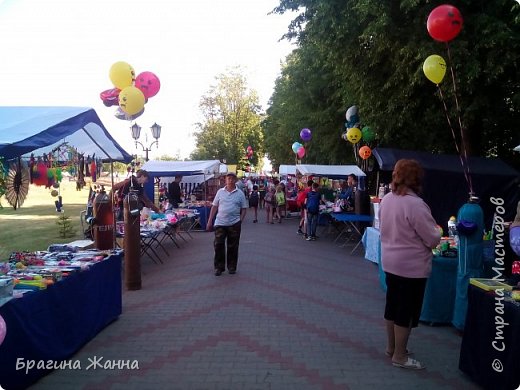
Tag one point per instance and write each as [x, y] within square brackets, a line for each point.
[38, 130]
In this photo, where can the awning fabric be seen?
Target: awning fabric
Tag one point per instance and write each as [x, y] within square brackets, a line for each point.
[330, 171]
[285, 170]
[39, 130]
[159, 168]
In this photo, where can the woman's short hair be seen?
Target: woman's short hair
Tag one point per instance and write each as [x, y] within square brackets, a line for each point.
[141, 172]
[407, 174]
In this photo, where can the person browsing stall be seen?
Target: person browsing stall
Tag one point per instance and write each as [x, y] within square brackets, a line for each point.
[175, 192]
[408, 235]
[229, 210]
[347, 192]
[122, 189]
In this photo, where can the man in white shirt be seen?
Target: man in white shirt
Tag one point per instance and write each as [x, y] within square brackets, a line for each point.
[229, 207]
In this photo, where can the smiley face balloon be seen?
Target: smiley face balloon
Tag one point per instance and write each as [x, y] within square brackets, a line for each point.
[121, 74]
[365, 152]
[354, 135]
[444, 23]
[148, 83]
[131, 100]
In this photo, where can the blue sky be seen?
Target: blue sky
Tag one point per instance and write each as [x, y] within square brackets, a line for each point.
[60, 52]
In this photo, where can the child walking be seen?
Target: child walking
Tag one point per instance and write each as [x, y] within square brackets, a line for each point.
[269, 201]
[312, 204]
[280, 201]
[253, 202]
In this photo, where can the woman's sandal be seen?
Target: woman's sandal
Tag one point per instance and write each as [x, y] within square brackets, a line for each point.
[390, 354]
[410, 364]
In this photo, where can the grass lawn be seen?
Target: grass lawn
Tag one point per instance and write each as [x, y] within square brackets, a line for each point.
[33, 226]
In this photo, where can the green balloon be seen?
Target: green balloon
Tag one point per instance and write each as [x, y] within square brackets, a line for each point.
[368, 134]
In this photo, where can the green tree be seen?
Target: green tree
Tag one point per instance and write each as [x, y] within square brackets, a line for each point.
[232, 117]
[370, 53]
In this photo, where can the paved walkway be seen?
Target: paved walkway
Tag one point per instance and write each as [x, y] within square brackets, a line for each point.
[297, 315]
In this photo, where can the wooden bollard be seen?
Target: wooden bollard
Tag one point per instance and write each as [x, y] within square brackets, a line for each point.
[132, 245]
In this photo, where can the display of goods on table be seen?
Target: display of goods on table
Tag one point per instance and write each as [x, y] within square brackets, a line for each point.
[448, 247]
[201, 203]
[31, 271]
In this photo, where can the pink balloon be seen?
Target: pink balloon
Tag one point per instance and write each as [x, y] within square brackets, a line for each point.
[301, 152]
[3, 330]
[148, 83]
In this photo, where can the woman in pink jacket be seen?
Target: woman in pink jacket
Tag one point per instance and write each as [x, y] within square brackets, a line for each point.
[408, 234]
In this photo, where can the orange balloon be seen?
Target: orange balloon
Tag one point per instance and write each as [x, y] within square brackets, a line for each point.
[365, 152]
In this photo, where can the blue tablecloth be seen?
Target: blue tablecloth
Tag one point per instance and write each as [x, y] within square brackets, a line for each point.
[372, 244]
[203, 215]
[439, 297]
[53, 324]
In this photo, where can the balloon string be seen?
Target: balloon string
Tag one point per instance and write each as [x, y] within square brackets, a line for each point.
[466, 172]
[462, 136]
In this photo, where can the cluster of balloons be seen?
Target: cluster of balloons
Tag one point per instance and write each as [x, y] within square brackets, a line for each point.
[354, 134]
[298, 148]
[444, 24]
[130, 93]
[249, 152]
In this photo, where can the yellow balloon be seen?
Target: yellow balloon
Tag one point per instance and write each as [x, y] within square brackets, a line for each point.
[354, 135]
[131, 100]
[434, 68]
[122, 74]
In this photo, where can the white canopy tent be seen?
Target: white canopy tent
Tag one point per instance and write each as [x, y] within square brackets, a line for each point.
[285, 170]
[193, 172]
[517, 149]
[159, 168]
[330, 171]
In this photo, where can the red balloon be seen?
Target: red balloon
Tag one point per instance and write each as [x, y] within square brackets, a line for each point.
[444, 23]
[110, 97]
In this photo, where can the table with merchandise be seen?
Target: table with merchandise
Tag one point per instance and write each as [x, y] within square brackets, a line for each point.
[53, 304]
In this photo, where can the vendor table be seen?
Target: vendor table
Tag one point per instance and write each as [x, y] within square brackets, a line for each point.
[489, 352]
[54, 323]
[203, 214]
[350, 227]
[439, 296]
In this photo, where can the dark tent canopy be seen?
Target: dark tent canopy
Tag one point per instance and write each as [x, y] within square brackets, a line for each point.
[445, 188]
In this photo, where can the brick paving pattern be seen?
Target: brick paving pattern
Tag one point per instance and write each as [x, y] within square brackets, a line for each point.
[297, 315]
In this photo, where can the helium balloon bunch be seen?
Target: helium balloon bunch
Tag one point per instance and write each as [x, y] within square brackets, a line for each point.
[444, 24]
[298, 148]
[130, 92]
[361, 137]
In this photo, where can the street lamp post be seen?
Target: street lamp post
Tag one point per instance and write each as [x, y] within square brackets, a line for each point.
[156, 134]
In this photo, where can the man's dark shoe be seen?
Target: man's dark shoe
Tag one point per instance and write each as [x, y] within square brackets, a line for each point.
[232, 271]
[218, 272]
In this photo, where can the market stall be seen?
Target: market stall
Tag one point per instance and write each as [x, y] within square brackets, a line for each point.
[201, 169]
[63, 303]
[491, 178]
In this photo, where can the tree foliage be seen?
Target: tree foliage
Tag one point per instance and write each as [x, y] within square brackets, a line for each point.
[231, 123]
[370, 53]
